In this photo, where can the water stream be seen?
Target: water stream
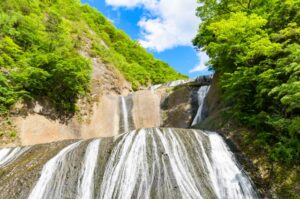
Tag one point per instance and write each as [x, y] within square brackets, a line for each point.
[231, 181]
[125, 115]
[7, 155]
[163, 163]
[51, 182]
[86, 178]
[202, 92]
[126, 123]
[146, 163]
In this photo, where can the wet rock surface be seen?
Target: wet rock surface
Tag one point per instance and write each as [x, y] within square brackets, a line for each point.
[155, 163]
[179, 107]
[18, 177]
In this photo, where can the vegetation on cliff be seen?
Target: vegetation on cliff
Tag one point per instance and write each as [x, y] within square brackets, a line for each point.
[40, 41]
[254, 45]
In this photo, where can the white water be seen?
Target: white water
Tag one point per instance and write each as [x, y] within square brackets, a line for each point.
[154, 87]
[147, 163]
[121, 175]
[208, 164]
[171, 84]
[202, 92]
[231, 181]
[44, 188]
[125, 115]
[178, 82]
[7, 155]
[181, 167]
[86, 185]
[129, 170]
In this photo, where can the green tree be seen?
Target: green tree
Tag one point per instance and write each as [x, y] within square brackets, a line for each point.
[254, 46]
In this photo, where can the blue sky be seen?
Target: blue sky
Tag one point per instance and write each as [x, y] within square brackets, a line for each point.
[160, 29]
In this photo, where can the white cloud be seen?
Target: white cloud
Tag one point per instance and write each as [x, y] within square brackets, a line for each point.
[166, 24]
[203, 59]
[169, 23]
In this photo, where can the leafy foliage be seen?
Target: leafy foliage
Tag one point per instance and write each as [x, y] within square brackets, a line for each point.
[40, 41]
[254, 45]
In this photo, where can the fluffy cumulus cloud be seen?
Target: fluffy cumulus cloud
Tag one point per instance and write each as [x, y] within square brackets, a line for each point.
[166, 23]
[169, 23]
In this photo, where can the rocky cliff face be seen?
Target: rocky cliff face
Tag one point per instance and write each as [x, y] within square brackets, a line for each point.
[170, 105]
[38, 123]
[179, 107]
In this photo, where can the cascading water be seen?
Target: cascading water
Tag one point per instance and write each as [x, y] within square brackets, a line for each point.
[202, 92]
[154, 87]
[232, 182]
[125, 114]
[126, 123]
[177, 83]
[9, 154]
[172, 163]
[147, 163]
[86, 178]
[53, 176]
[170, 84]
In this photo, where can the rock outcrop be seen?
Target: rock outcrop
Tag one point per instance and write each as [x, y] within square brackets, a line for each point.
[169, 105]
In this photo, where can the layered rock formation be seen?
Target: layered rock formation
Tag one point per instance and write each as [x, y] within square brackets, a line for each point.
[170, 105]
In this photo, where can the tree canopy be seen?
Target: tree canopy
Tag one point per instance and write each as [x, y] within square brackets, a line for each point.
[255, 47]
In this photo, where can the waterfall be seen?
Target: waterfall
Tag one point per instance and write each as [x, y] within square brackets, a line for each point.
[232, 182]
[126, 122]
[154, 87]
[170, 163]
[124, 167]
[146, 163]
[208, 164]
[178, 82]
[53, 176]
[86, 188]
[202, 92]
[170, 84]
[125, 115]
[7, 155]
[152, 163]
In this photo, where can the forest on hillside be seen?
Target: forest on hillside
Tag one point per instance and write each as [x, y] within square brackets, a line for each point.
[254, 46]
[39, 53]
